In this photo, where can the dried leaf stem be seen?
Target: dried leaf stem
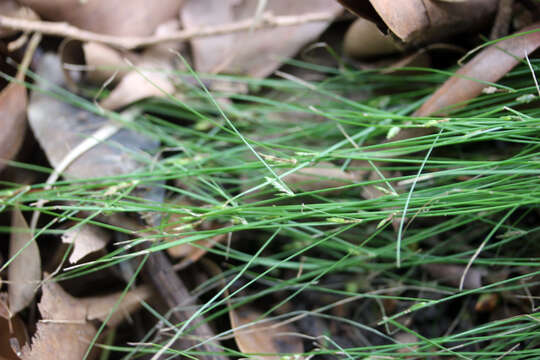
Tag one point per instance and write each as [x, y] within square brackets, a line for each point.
[66, 30]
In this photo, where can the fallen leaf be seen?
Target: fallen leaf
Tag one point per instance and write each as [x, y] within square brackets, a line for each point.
[150, 76]
[60, 127]
[86, 239]
[99, 307]
[13, 102]
[255, 53]
[491, 64]
[254, 336]
[121, 18]
[104, 62]
[63, 333]
[24, 272]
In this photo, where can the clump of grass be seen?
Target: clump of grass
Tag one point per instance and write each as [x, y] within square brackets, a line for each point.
[475, 201]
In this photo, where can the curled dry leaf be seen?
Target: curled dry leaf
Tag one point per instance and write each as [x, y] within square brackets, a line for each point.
[254, 336]
[451, 275]
[363, 39]
[121, 18]
[490, 64]
[60, 127]
[425, 21]
[13, 102]
[255, 53]
[104, 62]
[86, 239]
[149, 77]
[94, 62]
[24, 272]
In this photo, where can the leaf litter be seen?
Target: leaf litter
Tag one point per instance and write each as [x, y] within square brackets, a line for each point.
[254, 39]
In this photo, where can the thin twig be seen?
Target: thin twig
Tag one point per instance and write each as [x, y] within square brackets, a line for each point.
[130, 42]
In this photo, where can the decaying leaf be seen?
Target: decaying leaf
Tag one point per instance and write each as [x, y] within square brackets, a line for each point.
[24, 272]
[86, 239]
[122, 18]
[65, 331]
[59, 127]
[13, 102]
[490, 64]
[255, 53]
[254, 336]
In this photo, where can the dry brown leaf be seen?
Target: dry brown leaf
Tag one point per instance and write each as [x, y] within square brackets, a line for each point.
[86, 239]
[256, 53]
[122, 18]
[363, 39]
[63, 334]
[490, 64]
[260, 337]
[24, 272]
[13, 102]
[425, 21]
[99, 307]
[150, 77]
[451, 275]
